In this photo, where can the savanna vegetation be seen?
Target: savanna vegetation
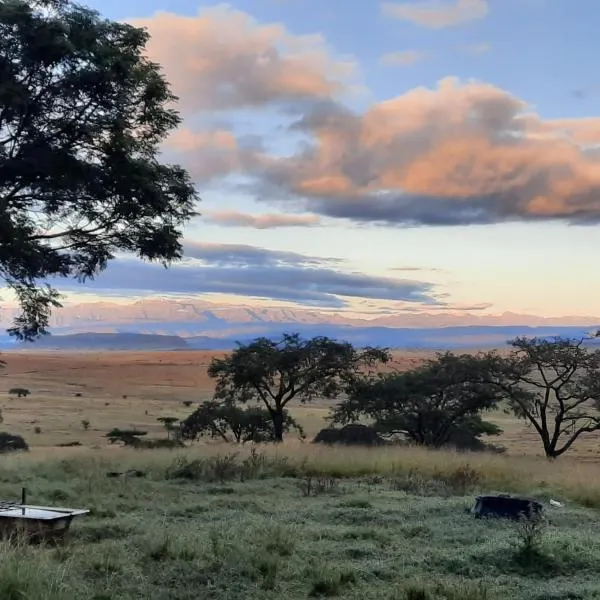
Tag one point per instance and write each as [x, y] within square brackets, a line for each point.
[253, 515]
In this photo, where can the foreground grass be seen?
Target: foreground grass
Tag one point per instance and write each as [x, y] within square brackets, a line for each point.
[298, 522]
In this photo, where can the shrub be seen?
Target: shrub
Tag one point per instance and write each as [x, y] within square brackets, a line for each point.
[530, 533]
[351, 435]
[128, 437]
[232, 423]
[12, 443]
[19, 392]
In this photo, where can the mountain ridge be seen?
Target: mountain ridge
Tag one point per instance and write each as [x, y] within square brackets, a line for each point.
[75, 317]
[196, 324]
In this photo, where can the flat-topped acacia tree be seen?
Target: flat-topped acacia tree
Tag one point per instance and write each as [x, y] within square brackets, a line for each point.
[275, 372]
[554, 385]
[82, 114]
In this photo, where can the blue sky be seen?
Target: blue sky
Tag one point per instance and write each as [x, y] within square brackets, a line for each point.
[444, 153]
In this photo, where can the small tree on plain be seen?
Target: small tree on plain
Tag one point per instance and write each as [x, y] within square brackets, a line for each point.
[554, 385]
[19, 392]
[232, 423]
[439, 403]
[273, 373]
[168, 424]
[128, 437]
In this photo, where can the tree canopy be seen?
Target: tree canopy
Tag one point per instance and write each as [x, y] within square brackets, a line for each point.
[231, 423]
[554, 384]
[275, 372]
[82, 115]
[435, 404]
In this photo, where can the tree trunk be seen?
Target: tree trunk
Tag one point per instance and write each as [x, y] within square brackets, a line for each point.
[277, 417]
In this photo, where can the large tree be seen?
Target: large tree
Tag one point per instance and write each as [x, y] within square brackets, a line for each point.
[82, 114]
[554, 384]
[275, 372]
[436, 404]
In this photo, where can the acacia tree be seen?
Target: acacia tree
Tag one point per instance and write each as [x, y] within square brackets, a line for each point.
[435, 404]
[273, 373]
[232, 423]
[169, 424]
[555, 386]
[82, 114]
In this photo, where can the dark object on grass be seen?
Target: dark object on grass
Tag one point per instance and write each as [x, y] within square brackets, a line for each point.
[506, 507]
[130, 473]
[12, 443]
[69, 444]
[78, 395]
[351, 435]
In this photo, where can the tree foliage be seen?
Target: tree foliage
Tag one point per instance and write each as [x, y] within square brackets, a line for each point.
[555, 386]
[169, 424]
[82, 114]
[232, 423]
[10, 442]
[128, 437]
[436, 404]
[275, 372]
[19, 392]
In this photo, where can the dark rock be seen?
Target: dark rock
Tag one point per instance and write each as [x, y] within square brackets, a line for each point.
[506, 507]
[129, 473]
[351, 435]
[134, 473]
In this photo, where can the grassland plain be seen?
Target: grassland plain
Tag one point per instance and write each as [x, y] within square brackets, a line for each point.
[294, 521]
[133, 389]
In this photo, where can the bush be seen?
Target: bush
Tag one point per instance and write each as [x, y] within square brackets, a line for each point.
[19, 392]
[232, 423]
[351, 435]
[12, 443]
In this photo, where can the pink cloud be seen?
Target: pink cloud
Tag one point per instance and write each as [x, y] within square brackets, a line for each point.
[458, 153]
[223, 59]
[437, 14]
[265, 221]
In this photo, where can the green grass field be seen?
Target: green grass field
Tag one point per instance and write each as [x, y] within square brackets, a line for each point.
[300, 522]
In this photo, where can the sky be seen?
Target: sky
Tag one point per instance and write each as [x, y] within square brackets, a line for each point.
[432, 155]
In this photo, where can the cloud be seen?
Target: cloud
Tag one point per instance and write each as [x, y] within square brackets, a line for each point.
[481, 48]
[461, 153]
[437, 14]
[405, 58]
[265, 221]
[243, 255]
[417, 269]
[223, 59]
[253, 272]
[210, 153]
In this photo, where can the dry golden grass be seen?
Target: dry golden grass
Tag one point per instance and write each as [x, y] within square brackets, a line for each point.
[567, 478]
[155, 384]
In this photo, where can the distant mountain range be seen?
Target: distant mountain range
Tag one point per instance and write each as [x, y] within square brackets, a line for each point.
[171, 324]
